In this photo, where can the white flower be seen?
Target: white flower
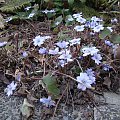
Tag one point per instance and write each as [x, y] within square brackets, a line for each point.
[2, 44]
[114, 20]
[66, 56]
[110, 28]
[94, 18]
[79, 28]
[57, 23]
[27, 8]
[81, 20]
[48, 102]
[46, 37]
[89, 51]
[92, 33]
[83, 81]
[62, 44]
[48, 11]
[54, 52]
[39, 40]
[77, 15]
[97, 58]
[98, 28]
[70, 19]
[31, 15]
[8, 19]
[10, 88]
[75, 41]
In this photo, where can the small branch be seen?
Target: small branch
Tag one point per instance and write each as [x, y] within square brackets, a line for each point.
[59, 102]
[79, 65]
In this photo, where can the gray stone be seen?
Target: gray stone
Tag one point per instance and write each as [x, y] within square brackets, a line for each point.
[112, 98]
[107, 112]
[110, 110]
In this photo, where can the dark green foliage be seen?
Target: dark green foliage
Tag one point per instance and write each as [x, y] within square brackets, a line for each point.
[12, 5]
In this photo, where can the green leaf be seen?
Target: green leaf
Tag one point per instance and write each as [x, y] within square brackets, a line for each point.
[104, 33]
[47, 0]
[51, 85]
[115, 38]
[83, 1]
[70, 2]
[12, 5]
[57, 21]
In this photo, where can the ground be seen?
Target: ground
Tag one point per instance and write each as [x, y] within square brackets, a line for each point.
[108, 109]
[103, 107]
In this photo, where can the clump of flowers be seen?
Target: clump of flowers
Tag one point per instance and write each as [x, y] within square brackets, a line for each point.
[81, 56]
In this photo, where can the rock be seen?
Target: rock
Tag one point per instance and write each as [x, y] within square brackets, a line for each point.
[112, 98]
[107, 112]
[111, 109]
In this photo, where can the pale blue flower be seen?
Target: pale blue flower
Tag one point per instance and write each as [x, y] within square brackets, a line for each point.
[62, 63]
[2, 44]
[93, 24]
[106, 67]
[54, 52]
[62, 44]
[81, 20]
[9, 90]
[31, 15]
[97, 57]
[66, 56]
[91, 75]
[48, 102]
[89, 51]
[107, 42]
[24, 54]
[77, 15]
[98, 28]
[75, 41]
[79, 28]
[94, 18]
[83, 81]
[43, 51]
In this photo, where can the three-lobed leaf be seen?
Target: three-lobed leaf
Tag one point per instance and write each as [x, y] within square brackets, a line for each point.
[51, 85]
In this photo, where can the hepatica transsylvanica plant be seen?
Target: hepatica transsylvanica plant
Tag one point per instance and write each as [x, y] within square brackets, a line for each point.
[83, 50]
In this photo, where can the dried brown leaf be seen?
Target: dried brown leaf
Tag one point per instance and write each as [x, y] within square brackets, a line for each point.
[107, 82]
[1, 22]
[27, 109]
